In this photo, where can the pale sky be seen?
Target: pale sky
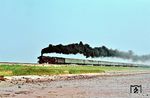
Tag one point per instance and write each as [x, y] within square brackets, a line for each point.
[27, 26]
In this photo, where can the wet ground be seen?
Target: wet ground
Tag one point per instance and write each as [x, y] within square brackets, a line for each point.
[105, 86]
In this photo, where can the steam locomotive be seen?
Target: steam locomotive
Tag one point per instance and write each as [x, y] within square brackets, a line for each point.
[59, 60]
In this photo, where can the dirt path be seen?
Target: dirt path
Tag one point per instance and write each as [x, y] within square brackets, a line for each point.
[116, 85]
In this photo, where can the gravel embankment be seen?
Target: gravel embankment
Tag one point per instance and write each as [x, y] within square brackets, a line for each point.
[103, 85]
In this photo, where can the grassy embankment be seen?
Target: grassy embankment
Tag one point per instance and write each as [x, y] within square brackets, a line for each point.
[11, 70]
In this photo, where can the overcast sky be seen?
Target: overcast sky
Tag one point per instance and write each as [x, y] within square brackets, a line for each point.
[27, 26]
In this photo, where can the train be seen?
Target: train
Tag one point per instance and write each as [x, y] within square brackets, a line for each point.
[60, 60]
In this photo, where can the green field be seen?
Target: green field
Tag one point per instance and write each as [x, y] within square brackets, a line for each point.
[12, 70]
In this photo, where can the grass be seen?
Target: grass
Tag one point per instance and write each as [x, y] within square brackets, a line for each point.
[13, 70]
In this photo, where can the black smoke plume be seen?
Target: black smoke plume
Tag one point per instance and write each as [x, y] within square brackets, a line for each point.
[95, 52]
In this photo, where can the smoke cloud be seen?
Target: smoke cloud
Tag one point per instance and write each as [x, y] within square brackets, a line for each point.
[95, 52]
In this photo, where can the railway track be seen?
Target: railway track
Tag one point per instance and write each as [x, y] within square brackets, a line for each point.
[18, 63]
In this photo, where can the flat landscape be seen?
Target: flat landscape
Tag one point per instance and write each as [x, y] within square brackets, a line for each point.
[75, 49]
[73, 82]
